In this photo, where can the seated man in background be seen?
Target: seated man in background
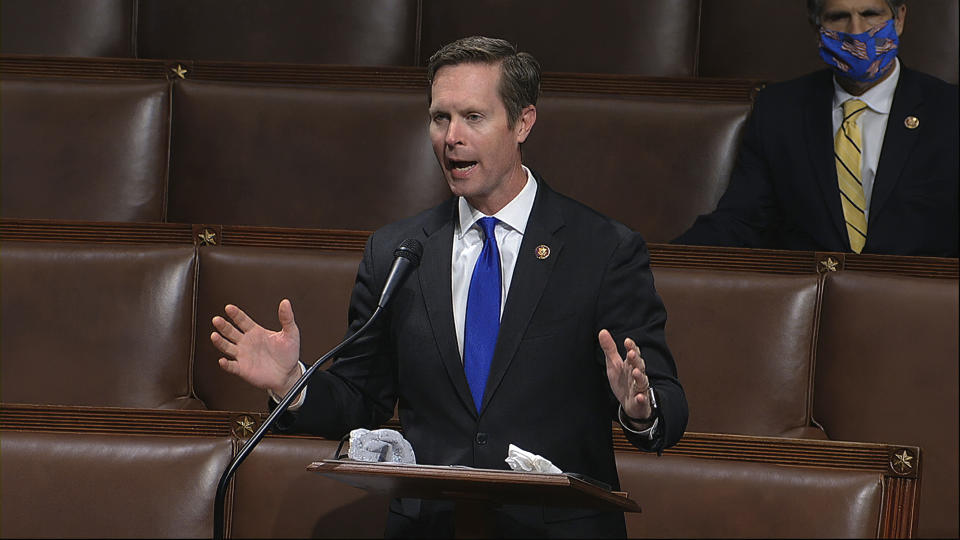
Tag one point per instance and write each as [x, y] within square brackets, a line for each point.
[860, 157]
[505, 333]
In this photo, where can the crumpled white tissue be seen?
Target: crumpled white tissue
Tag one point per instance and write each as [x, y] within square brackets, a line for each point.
[385, 445]
[521, 460]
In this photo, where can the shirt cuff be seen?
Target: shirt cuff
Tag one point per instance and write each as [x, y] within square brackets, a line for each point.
[650, 432]
[295, 404]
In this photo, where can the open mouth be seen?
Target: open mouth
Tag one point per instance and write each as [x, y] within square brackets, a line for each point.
[459, 166]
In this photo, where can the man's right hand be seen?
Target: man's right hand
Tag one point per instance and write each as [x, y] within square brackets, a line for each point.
[263, 358]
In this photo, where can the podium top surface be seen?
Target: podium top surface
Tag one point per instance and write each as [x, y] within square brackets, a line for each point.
[466, 484]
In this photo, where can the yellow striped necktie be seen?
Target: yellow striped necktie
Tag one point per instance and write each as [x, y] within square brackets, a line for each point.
[846, 151]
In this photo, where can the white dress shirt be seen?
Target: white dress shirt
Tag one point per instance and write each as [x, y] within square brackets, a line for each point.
[873, 124]
[468, 243]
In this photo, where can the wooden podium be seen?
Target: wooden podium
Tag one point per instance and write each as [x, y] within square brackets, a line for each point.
[475, 491]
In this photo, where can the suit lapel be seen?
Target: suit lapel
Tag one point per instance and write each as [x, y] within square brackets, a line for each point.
[898, 142]
[530, 277]
[435, 282]
[818, 126]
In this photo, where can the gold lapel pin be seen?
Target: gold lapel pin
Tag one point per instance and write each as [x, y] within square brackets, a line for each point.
[542, 251]
[912, 122]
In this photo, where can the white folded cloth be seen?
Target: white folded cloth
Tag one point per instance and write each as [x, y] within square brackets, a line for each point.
[380, 445]
[521, 460]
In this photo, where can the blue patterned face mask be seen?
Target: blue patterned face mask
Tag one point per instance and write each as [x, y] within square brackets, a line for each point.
[862, 57]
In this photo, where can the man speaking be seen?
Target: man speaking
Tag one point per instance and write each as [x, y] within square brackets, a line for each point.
[507, 333]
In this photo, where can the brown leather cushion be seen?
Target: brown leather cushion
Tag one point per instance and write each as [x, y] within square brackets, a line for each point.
[98, 325]
[656, 37]
[654, 164]
[300, 156]
[733, 44]
[276, 497]
[97, 486]
[365, 32]
[684, 497]
[84, 150]
[67, 27]
[742, 342]
[318, 284]
[886, 371]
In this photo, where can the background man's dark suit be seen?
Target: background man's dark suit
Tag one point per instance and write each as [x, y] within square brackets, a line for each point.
[783, 192]
[547, 392]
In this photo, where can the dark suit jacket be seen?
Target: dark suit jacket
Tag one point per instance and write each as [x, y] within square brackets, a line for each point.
[783, 192]
[547, 391]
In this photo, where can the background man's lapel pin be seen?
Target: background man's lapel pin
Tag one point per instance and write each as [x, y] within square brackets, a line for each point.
[542, 251]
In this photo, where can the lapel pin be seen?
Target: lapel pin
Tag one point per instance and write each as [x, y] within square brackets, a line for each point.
[542, 251]
[912, 122]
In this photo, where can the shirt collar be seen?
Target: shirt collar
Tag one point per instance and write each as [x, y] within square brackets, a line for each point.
[513, 215]
[879, 98]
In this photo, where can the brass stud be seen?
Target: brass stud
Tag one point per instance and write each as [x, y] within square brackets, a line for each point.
[179, 71]
[207, 238]
[829, 265]
[244, 427]
[902, 461]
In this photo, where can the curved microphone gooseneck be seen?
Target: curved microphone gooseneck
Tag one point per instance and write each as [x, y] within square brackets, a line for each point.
[406, 259]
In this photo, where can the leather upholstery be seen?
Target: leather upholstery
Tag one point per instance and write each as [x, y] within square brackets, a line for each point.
[59, 485]
[654, 164]
[887, 370]
[357, 32]
[300, 156]
[656, 37]
[97, 325]
[684, 497]
[744, 340]
[68, 27]
[84, 150]
[276, 497]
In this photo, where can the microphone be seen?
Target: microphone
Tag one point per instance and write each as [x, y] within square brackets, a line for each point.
[406, 259]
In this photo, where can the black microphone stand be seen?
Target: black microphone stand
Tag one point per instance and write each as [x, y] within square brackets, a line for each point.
[218, 511]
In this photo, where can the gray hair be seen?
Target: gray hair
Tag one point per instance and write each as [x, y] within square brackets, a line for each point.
[519, 72]
[815, 8]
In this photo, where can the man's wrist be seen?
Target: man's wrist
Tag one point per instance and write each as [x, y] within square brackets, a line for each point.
[641, 426]
[301, 368]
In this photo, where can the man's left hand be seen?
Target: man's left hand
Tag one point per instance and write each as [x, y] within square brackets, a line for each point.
[628, 378]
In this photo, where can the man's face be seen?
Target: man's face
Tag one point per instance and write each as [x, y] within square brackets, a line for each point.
[477, 150]
[858, 16]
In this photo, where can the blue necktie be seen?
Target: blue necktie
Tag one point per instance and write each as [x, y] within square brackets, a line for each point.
[483, 313]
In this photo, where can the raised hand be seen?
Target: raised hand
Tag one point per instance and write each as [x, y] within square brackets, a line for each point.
[628, 378]
[263, 358]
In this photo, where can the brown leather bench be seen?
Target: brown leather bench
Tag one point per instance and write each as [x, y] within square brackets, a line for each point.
[742, 342]
[688, 497]
[97, 324]
[300, 156]
[320, 157]
[652, 163]
[654, 37]
[886, 369]
[152, 310]
[51, 27]
[73, 472]
[709, 38]
[84, 150]
[356, 32]
[99, 485]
